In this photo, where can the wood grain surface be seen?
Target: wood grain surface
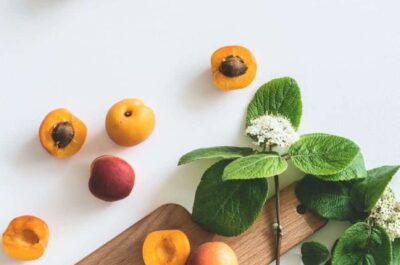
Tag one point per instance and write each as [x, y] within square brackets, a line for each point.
[254, 247]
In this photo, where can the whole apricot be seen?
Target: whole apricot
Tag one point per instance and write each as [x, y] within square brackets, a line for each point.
[111, 178]
[233, 67]
[213, 253]
[166, 247]
[130, 122]
[26, 238]
[61, 133]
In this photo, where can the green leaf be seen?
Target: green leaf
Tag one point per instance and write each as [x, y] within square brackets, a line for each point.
[222, 152]
[255, 166]
[314, 253]
[396, 252]
[228, 207]
[362, 244]
[367, 193]
[331, 200]
[356, 170]
[279, 96]
[323, 154]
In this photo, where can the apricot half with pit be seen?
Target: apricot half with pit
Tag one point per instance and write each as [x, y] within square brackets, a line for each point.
[233, 67]
[213, 253]
[130, 122]
[111, 178]
[26, 238]
[61, 133]
[166, 247]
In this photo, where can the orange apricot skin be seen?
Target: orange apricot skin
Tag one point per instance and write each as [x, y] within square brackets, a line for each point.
[166, 247]
[51, 120]
[18, 246]
[130, 122]
[231, 83]
[213, 253]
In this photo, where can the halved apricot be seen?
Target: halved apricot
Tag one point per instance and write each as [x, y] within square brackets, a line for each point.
[166, 247]
[26, 238]
[233, 67]
[61, 133]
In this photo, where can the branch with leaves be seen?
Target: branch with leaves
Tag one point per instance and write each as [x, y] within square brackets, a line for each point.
[233, 191]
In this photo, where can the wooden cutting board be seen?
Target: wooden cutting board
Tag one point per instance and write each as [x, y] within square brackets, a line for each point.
[254, 247]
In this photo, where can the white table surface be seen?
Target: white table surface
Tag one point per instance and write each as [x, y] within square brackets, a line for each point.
[86, 55]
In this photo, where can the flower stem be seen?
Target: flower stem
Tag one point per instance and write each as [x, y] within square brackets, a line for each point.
[278, 220]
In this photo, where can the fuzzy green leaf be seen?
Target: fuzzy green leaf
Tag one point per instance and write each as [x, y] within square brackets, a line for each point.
[255, 166]
[222, 152]
[396, 252]
[314, 253]
[331, 200]
[279, 96]
[363, 244]
[228, 207]
[367, 193]
[323, 154]
[356, 170]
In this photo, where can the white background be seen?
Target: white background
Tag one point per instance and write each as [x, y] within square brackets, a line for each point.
[86, 55]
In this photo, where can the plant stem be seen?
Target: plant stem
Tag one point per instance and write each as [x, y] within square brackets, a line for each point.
[278, 220]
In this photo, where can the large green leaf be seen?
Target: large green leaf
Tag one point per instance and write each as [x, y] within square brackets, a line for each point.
[314, 253]
[331, 200]
[228, 207]
[363, 244]
[367, 193]
[255, 166]
[356, 170]
[222, 152]
[323, 154]
[279, 96]
[396, 252]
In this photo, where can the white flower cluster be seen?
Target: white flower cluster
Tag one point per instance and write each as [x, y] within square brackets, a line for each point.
[386, 213]
[272, 130]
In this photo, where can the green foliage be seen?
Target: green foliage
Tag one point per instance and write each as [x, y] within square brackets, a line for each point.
[261, 165]
[367, 193]
[314, 253]
[323, 154]
[356, 170]
[396, 252]
[331, 200]
[279, 96]
[221, 152]
[363, 244]
[228, 207]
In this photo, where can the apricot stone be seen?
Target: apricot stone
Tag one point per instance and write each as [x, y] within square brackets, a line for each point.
[213, 253]
[111, 178]
[26, 238]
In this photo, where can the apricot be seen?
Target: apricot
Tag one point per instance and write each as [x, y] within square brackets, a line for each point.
[213, 253]
[61, 133]
[166, 247]
[111, 178]
[26, 238]
[233, 67]
[130, 122]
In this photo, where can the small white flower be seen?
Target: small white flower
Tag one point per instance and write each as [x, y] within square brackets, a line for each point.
[272, 130]
[386, 213]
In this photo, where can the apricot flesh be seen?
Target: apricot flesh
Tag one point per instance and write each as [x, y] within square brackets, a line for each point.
[26, 238]
[130, 122]
[166, 247]
[213, 253]
[111, 178]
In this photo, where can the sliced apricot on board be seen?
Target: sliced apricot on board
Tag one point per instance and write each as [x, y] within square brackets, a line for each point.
[233, 67]
[26, 238]
[61, 133]
[166, 247]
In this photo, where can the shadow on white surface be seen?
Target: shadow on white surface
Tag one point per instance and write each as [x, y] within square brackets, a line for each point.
[200, 92]
[38, 5]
